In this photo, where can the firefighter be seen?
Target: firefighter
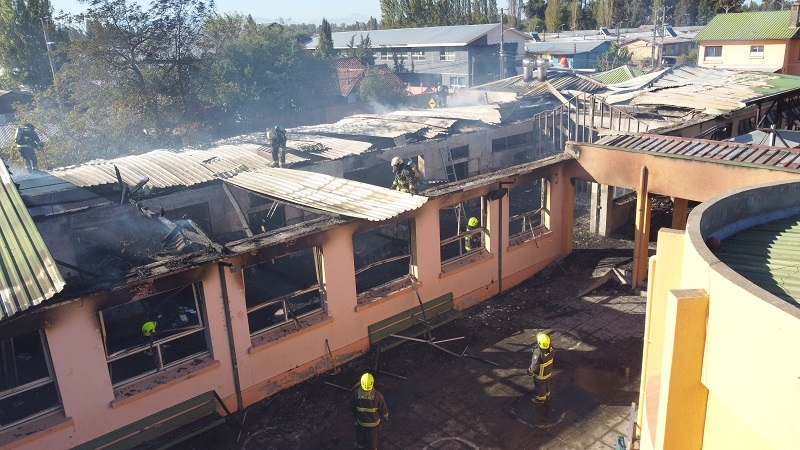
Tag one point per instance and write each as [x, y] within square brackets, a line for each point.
[277, 139]
[441, 95]
[368, 408]
[541, 368]
[405, 176]
[28, 142]
[473, 240]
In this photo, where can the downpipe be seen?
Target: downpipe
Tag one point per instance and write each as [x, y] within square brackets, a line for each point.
[229, 325]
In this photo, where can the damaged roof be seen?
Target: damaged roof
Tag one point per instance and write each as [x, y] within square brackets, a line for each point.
[709, 90]
[29, 274]
[335, 195]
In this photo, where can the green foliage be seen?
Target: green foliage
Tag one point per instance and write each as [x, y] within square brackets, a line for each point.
[324, 49]
[23, 51]
[613, 57]
[362, 50]
[556, 14]
[432, 13]
[373, 89]
[690, 58]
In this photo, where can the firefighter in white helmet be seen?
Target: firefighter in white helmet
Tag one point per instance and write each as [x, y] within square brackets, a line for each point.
[405, 175]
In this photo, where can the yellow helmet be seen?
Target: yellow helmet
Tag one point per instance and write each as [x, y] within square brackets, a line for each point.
[367, 381]
[473, 222]
[544, 340]
[148, 328]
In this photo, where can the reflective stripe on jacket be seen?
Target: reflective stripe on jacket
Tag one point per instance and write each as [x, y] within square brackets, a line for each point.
[368, 407]
[542, 362]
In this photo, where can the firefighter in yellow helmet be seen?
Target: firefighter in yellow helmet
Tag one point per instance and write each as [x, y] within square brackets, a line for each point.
[148, 328]
[368, 408]
[541, 368]
[473, 241]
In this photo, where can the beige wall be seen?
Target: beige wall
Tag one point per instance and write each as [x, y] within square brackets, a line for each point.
[747, 358]
[737, 54]
[78, 356]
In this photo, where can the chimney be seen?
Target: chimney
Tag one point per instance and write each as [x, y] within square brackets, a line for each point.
[527, 70]
[542, 64]
[793, 16]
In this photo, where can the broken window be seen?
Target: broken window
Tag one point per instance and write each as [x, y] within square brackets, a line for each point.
[515, 140]
[282, 289]
[457, 236]
[27, 384]
[382, 255]
[198, 214]
[266, 214]
[526, 208]
[143, 337]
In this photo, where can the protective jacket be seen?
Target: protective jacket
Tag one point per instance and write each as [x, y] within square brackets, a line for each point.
[368, 407]
[405, 179]
[473, 240]
[542, 363]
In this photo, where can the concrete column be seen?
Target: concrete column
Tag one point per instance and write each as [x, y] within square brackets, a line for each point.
[683, 398]
[642, 237]
[680, 212]
[600, 216]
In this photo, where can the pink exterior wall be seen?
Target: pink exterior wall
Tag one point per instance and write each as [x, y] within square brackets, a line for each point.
[76, 346]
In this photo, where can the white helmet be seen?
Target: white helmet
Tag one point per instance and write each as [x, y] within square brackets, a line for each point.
[396, 161]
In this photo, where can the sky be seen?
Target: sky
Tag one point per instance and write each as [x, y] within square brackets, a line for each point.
[303, 11]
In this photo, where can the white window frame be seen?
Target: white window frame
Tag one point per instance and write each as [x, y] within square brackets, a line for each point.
[418, 55]
[447, 55]
[715, 56]
[156, 343]
[756, 51]
[284, 301]
[22, 389]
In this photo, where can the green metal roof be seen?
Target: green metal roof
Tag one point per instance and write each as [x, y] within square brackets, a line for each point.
[748, 26]
[768, 255]
[28, 273]
[618, 75]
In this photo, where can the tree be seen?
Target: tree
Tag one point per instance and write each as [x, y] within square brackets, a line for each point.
[324, 49]
[555, 14]
[613, 57]
[23, 50]
[373, 89]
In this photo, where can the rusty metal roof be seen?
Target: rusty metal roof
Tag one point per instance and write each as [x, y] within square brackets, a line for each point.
[327, 193]
[29, 274]
[719, 151]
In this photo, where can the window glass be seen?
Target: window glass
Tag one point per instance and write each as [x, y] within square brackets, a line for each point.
[282, 289]
[525, 205]
[457, 236]
[179, 333]
[382, 255]
[27, 385]
[713, 51]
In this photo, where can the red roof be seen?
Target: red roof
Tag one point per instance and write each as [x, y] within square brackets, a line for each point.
[349, 72]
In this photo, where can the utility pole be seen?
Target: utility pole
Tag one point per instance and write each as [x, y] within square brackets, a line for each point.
[502, 52]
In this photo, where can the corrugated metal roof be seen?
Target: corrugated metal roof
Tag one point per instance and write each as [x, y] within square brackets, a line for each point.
[718, 151]
[327, 193]
[457, 35]
[29, 274]
[768, 256]
[618, 75]
[713, 91]
[380, 125]
[564, 47]
[488, 114]
[166, 168]
[568, 82]
[748, 26]
[784, 138]
[328, 147]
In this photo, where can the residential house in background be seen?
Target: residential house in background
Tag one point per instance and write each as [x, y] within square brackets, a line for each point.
[350, 73]
[457, 56]
[569, 54]
[667, 49]
[762, 40]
